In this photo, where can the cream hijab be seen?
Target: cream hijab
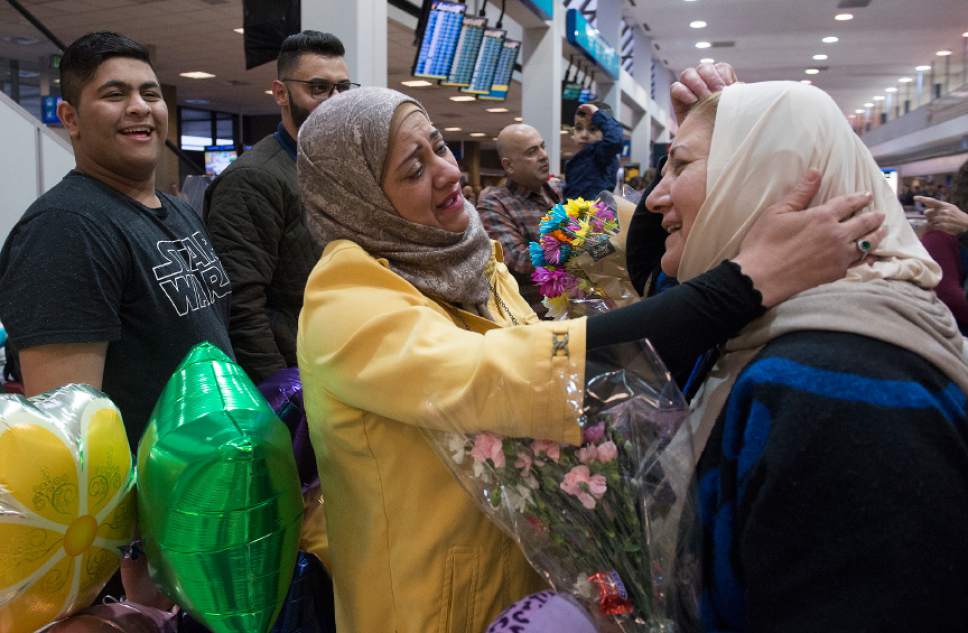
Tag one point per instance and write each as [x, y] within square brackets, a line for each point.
[766, 136]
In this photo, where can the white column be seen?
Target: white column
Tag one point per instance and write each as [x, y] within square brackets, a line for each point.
[609, 24]
[362, 27]
[642, 72]
[543, 69]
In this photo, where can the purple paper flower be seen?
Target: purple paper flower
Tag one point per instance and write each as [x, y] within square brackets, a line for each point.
[551, 282]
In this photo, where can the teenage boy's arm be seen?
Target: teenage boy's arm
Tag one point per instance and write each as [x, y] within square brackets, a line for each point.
[47, 367]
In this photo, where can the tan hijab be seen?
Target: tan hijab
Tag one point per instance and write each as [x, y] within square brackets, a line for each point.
[342, 150]
[765, 137]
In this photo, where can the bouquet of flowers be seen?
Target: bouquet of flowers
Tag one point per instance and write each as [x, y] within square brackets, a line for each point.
[579, 260]
[601, 521]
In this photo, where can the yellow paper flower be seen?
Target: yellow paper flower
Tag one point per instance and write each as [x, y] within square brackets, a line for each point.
[575, 207]
[557, 306]
[66, 503]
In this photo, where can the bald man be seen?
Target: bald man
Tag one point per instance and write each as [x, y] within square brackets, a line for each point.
[511, 213]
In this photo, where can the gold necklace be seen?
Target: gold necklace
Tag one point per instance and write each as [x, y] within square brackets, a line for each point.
[503, 305]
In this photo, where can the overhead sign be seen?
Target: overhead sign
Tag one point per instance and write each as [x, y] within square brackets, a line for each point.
[542, 8]
[588, 40]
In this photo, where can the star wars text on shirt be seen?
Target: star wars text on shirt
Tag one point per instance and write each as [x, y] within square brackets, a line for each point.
[192, 276]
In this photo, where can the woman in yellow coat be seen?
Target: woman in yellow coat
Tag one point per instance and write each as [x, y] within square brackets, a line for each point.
[411, 321]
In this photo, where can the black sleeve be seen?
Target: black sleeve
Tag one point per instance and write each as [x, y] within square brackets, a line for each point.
[244, 219]
[685, 321]
[62, 281]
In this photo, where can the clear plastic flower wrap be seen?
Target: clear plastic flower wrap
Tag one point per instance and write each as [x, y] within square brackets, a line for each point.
[579, 258]
[604, 521]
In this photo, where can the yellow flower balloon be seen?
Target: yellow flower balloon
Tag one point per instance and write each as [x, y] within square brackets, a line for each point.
[66, 503]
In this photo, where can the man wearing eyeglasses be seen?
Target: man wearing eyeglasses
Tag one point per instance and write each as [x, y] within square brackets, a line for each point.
[254, 215]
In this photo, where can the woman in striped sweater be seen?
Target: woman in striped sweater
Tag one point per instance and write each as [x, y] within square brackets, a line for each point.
[833, 475]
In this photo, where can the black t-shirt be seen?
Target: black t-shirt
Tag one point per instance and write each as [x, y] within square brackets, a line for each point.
[86, 264]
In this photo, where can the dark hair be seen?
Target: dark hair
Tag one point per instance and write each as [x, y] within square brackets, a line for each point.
[82, 59]
[313, 42]
[959, 189]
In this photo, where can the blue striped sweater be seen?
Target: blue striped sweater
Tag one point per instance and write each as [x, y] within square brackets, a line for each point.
[833, 493]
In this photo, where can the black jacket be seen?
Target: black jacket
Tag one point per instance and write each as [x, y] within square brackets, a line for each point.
[255, 219]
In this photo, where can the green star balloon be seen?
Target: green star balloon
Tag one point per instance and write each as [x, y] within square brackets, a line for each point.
[219, 500]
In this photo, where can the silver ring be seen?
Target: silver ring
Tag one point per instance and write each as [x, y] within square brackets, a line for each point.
[863, 246]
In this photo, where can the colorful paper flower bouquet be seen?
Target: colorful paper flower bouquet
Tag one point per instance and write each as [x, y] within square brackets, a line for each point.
[579, 260]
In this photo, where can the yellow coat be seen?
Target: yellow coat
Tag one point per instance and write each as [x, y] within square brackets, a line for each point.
[410, 550]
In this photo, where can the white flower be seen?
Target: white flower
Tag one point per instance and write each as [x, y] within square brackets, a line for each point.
[457, 445]
[584, 588]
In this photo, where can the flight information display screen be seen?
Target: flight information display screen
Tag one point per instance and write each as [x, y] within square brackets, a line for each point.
[468, 46]
[503, 72]
[439, 43]
[486, 64]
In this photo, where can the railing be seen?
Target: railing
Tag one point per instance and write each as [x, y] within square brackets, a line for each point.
[936, 86]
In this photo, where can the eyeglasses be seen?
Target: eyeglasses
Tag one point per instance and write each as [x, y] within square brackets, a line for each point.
[323, 88]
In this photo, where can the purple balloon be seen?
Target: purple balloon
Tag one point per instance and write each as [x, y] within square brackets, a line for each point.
[544, 612]
[283, 391]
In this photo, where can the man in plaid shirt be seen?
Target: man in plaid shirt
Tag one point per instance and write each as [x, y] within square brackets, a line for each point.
[511, 213]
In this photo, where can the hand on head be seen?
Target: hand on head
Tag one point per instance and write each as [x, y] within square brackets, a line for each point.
[944, 216]
[789, 250]
[586, 110]
[698, 83]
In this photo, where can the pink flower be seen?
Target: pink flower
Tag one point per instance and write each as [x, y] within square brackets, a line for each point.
[488, 446]
[552, 283]
[524, 462]
[593, 434]
[549, 448]
[580, 483]
[607, 452]
[587, 454]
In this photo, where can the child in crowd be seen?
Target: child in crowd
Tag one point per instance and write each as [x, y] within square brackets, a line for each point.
[595, 167]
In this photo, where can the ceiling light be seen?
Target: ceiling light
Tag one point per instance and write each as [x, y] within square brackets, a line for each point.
[703, 44]
[416, 83]
[806, 81]
[518, 119]
[240, 31]
[697, 24]
[843, 17]
[478, 134]
[965, 34]
[566, 131]
[904, 80]
[690, 0]
[197, 74]
[812, 71]
[858, 112]
[878, 98]
[830, 39]
[943, 53]
[868, 105]
[891, 89]
[819, 58]
[922, 68]
[707, 60]
[268, 92]
[496, 110]
[462, 98]
[452, 129]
